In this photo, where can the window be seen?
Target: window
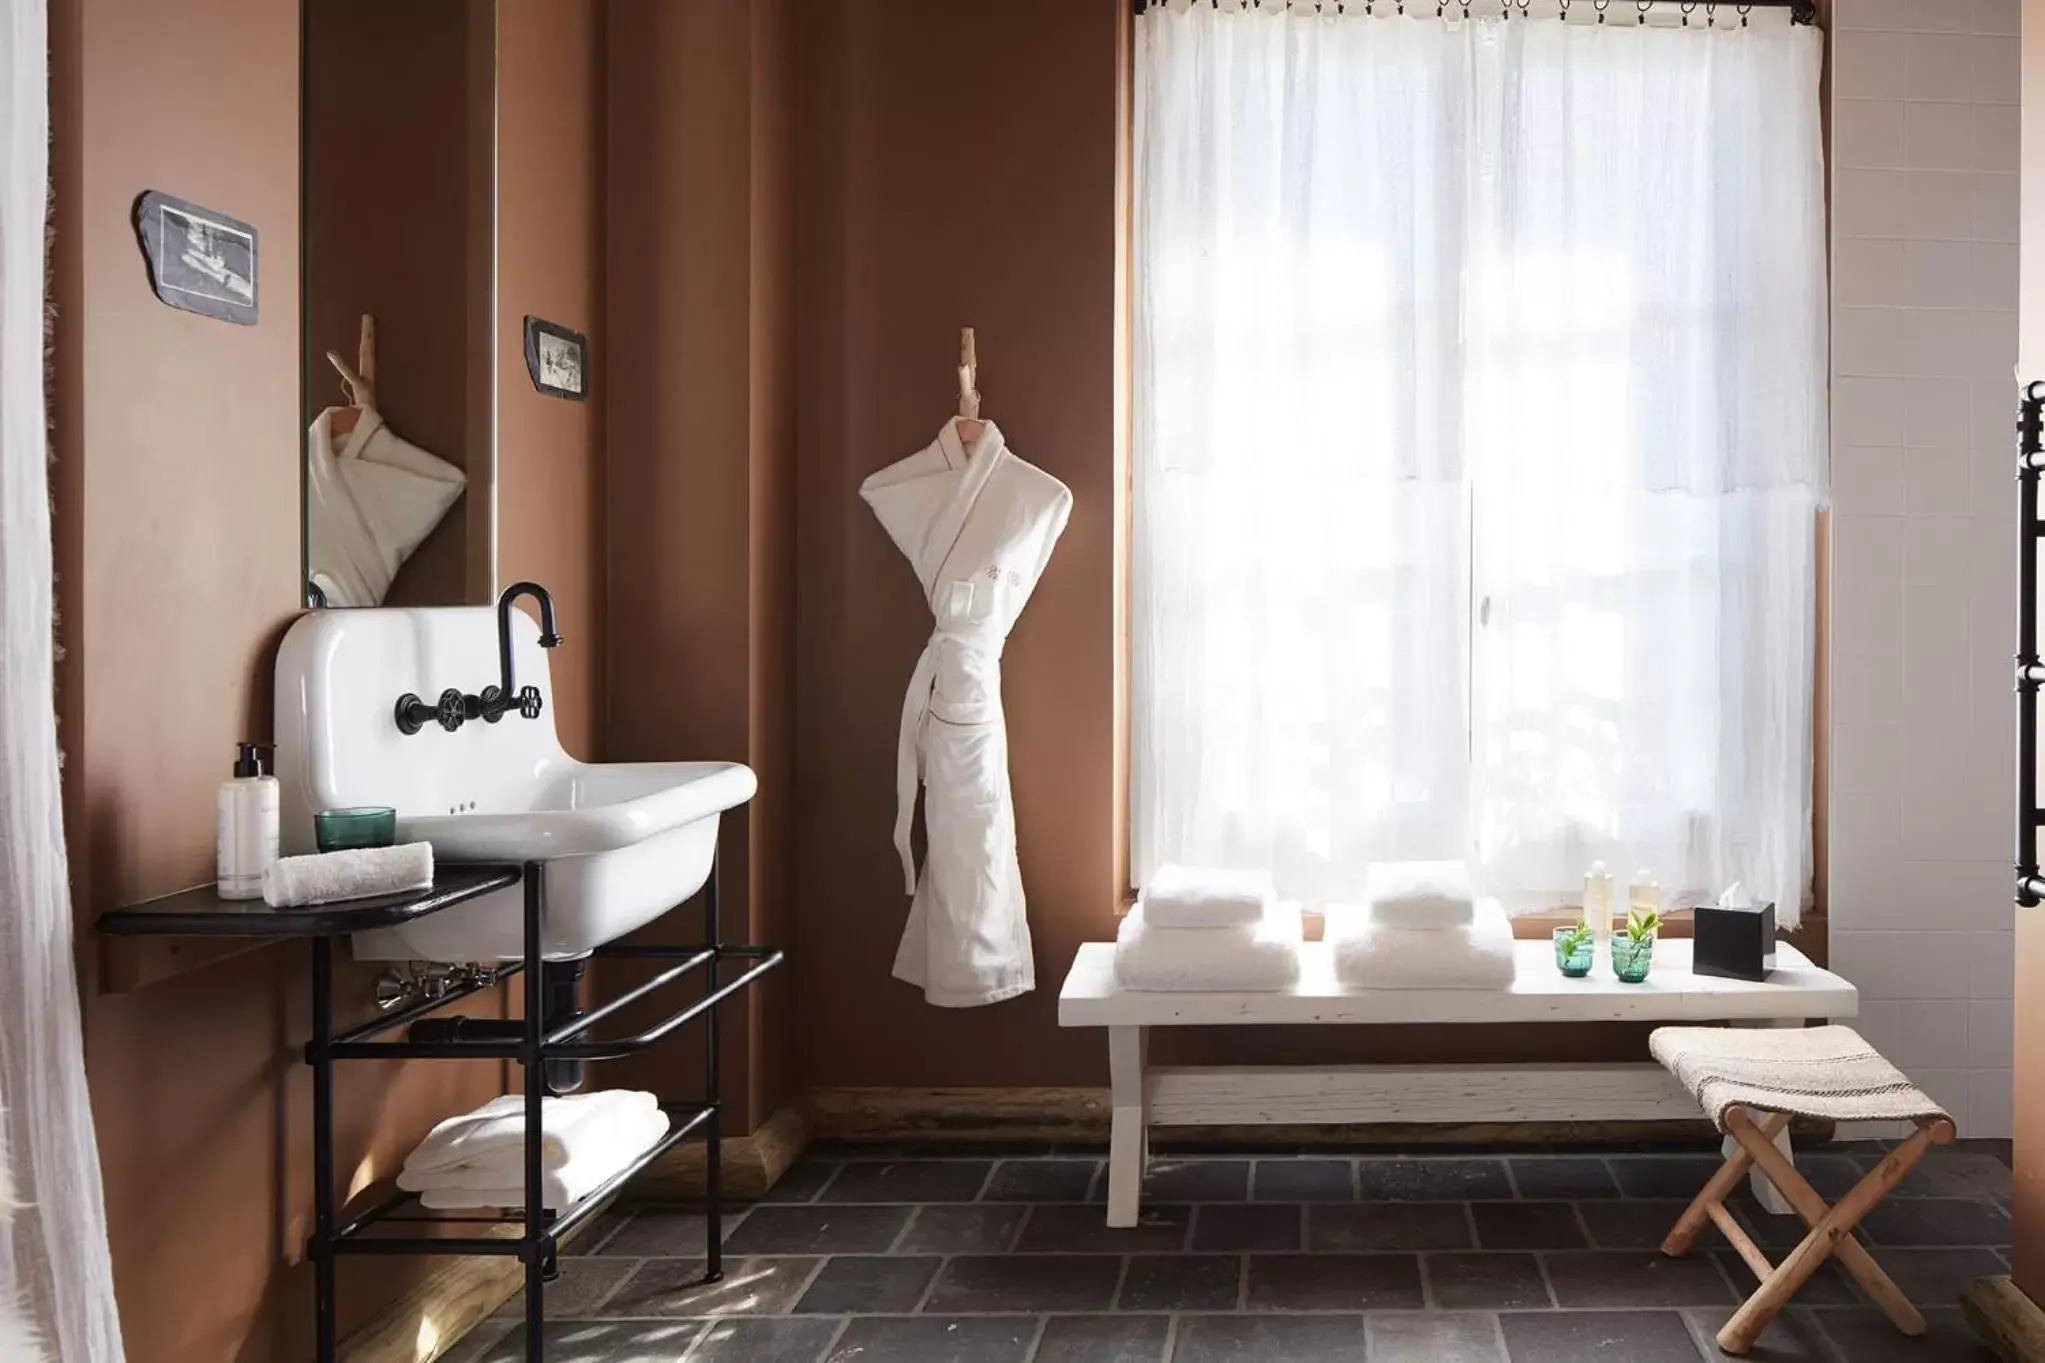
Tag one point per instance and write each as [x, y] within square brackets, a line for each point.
[1479, 443]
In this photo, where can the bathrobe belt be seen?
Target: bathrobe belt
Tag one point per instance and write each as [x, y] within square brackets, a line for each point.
[915, 713]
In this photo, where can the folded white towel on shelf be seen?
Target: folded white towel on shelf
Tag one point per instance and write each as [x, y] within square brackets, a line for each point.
[1203, 897]
[496, 1130]
[1372, 955]
[1249, 958]
[1419, 894]
[358, 873]
[604, 1145]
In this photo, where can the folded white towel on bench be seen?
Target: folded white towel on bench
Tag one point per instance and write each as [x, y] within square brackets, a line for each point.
[1373, 955]
[1419, 894]
[1250, 958]
[1203, 897]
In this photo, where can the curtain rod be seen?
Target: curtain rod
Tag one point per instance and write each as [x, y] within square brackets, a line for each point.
[1801, 11]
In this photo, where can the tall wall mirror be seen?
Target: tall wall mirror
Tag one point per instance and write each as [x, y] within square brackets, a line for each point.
[400, 259]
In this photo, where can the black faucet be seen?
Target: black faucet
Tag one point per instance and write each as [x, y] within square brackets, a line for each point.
[454, 708]
[495, 700]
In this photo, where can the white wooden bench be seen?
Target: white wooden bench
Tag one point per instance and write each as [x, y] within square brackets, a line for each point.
[1207, 1095]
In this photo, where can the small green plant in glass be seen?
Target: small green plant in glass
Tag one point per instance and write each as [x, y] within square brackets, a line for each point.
[1574, 947]
[1633, 949]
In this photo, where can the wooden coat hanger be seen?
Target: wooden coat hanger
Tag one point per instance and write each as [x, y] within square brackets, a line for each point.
[970, 427]
[359, 382]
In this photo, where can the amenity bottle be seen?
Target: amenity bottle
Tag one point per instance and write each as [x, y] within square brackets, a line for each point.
[1644, 895]
[1597, 907]
[246, 834]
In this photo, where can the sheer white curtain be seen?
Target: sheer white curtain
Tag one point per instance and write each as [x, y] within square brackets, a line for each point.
[54, 1264]
[1479, 438]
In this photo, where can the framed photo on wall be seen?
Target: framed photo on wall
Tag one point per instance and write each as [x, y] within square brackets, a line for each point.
[199, 260]
[557, 359]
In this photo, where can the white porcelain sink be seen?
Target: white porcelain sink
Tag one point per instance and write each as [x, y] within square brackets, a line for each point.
[622, 844]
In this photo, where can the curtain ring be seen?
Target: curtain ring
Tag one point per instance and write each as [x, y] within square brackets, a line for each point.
[1745, 10]
[1688, 6]
[1602, 6]
[1565, 11]
[1643, 6]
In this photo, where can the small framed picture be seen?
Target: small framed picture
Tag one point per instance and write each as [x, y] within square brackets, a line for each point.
[556, 358]
[199, 260]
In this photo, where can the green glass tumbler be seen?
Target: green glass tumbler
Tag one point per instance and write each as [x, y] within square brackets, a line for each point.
[1631, 959]
[1573, 952]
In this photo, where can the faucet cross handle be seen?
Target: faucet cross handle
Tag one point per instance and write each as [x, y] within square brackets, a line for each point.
[414, 714]
[529, 703]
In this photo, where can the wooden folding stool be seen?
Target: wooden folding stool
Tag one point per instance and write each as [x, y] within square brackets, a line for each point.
[1824, 1072]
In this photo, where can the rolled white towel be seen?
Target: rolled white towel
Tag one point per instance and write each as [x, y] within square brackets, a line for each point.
[358, 873]
[1419, 894]
[1372, 955]
[619, 1140]
[497, 1129]
[1203, 897]
[1249, 958]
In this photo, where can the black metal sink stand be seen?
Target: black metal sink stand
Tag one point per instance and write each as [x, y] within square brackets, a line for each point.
[533, 1045]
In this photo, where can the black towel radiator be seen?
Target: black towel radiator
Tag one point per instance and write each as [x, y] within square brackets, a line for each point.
[532, 1044]
[2030, 671]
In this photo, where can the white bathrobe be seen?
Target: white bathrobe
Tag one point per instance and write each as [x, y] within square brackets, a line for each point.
[978, 527]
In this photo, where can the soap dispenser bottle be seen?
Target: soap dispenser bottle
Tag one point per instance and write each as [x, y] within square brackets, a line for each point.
[246, 836]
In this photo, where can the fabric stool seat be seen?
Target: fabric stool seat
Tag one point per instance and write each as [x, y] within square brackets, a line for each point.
[1824, 1072]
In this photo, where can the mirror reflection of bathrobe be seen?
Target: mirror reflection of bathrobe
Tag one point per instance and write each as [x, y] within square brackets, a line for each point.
[371, 498]
[978, 526]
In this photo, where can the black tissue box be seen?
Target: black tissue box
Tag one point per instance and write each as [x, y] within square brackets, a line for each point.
[1734, 944]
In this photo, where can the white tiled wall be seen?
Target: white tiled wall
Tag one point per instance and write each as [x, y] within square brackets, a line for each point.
[1924, 278]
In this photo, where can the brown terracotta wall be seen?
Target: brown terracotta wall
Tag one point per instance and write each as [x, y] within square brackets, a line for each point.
[550, 133]
[957, 167]
[771, 1017]
[177, 494]
[389, 230]
[2027, 1255]
[697, 496]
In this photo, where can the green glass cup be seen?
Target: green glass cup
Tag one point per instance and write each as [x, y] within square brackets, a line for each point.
[1631, 959]
[1573, 952]
[337, 830]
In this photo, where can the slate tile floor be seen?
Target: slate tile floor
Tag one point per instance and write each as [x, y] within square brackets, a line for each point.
[867, 1254]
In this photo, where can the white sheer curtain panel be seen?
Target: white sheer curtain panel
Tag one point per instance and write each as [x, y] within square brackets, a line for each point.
[1299, 588]
[1646, 388]
[54, 1265]
[1479, 442]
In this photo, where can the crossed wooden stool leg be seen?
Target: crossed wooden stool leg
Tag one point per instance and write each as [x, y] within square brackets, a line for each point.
[1824, 1072]
[1831, 1228]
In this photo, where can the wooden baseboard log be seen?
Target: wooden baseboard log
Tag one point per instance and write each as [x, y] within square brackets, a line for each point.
[751, 1164]
[428, 1321]
[963, 1114]
[1081, 1115]
[2007, 1320]
[443, 1306]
